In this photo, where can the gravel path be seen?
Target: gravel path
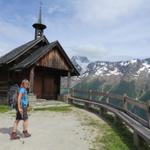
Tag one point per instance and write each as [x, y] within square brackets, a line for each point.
[50, 131]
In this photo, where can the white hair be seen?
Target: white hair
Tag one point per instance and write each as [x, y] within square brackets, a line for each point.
[25, 81]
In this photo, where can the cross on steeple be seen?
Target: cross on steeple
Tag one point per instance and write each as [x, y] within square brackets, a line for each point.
[39, 27]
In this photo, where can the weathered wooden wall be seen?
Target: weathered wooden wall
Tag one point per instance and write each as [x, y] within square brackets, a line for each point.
[8, 78]
[17, 77]
[3, 83]
[54, 60]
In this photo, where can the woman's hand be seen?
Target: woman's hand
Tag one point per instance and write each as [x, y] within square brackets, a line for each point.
[20, 110]
[19, 102]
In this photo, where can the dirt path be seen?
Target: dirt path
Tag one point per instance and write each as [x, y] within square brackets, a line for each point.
[51, 131]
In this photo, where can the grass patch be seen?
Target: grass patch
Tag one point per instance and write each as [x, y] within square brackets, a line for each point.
[117, 136]
[55, 109]
[3, 108]
[112, 135]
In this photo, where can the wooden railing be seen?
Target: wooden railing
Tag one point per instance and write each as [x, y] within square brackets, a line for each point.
[138, 110]
[133, 113]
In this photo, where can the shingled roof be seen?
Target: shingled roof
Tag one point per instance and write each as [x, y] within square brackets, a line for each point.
[35, 56]
[17, 52]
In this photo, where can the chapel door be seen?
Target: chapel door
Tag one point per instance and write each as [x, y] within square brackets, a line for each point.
[49, 88]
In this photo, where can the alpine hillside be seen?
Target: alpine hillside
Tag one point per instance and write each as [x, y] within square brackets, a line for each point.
[131, 77]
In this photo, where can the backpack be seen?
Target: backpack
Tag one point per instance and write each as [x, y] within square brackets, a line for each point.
[13, 95]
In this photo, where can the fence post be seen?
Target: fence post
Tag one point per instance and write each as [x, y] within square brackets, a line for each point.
[90, 94]
[107, 97]
[69, 82]
[136, 140]
[100, 95]
[102, 111]
[70, 101]
[86, 105]
[125, 107]
[72, 92]
[148, 113]
[102, 89]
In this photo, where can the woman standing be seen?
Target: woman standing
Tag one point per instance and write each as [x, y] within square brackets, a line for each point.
[21, 107]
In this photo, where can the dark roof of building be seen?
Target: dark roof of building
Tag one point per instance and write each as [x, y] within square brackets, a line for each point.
[17, 52]
[35, 56]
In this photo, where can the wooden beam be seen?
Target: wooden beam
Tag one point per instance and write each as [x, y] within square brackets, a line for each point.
[32, 79]
[69, 81]
[72, 92]
[102, 111]
[90, 94]
[136, 140]
[86, 106]
[125, 105]
[148, 113]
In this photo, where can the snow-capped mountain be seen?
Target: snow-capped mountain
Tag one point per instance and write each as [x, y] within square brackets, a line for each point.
[132, 68]
[81, 63]
[131, 77]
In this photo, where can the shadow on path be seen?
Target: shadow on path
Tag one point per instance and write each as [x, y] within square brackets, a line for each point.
[8, 131]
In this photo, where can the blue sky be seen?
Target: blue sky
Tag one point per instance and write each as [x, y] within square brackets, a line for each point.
[99, 29]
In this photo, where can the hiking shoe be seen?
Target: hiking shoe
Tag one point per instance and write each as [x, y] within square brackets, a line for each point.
[14, 136]
[26, 134]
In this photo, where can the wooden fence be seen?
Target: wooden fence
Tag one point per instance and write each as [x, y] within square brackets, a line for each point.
[140, 111]
[132, 112]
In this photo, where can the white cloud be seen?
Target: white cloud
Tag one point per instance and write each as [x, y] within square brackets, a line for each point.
[94, 11]
[131, 32]
[13, 31]
[91, 51]
[13, 36]
[56, 9]
[124, 30]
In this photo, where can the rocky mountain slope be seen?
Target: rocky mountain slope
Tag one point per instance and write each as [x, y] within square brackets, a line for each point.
[131, 77]
[132, 68]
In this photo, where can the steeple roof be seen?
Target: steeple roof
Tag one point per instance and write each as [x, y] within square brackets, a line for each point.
[39, 26]
[40, 16]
